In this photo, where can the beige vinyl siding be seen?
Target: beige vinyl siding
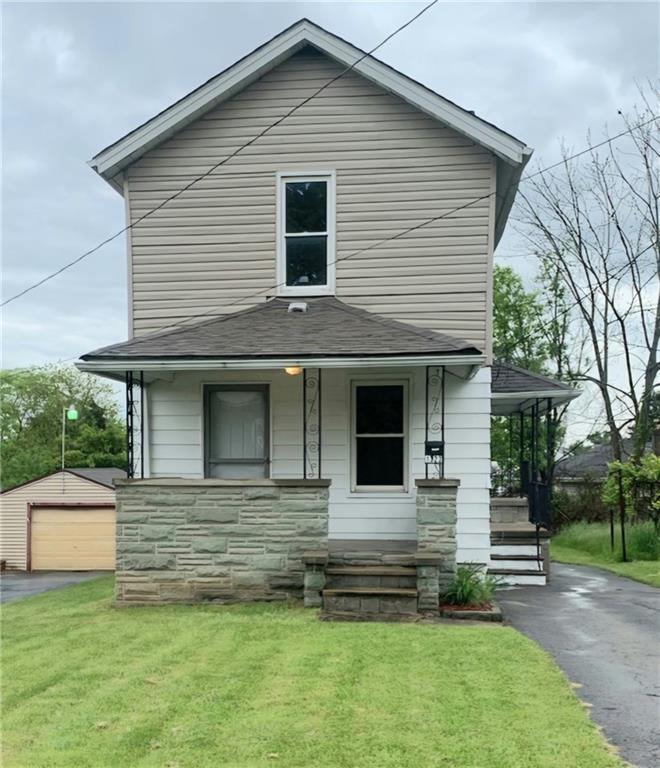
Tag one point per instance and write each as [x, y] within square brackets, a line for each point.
[214, 245]
[13, 509]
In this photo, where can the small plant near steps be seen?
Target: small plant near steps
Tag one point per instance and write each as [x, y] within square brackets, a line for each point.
[470, 595]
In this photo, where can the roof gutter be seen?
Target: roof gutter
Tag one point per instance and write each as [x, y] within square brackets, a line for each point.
[240, 364]
[526, 399]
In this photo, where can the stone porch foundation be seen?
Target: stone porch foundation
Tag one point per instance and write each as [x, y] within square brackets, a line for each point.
[436, 540]
[228, 540]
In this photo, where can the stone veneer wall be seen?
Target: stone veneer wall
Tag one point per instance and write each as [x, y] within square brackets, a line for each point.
[191, 540]
[436, 539]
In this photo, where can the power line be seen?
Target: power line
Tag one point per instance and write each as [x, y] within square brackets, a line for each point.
[211, 313]
[213, 168]
[268, 128]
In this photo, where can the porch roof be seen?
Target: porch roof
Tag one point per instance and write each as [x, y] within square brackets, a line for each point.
[515, 389]
[269, 333]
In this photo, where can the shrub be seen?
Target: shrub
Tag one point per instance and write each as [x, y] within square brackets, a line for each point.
[581, 504]
[640, 481]
[471, 586]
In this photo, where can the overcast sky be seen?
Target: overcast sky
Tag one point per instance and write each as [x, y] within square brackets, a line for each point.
[78, 76]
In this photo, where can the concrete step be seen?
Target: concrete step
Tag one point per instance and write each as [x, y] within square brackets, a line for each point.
[396, 577]
[370, 570]
[505, 533]
[515, 562]
[513, 577]
[513, 549]
[378, 591]
[370, 602]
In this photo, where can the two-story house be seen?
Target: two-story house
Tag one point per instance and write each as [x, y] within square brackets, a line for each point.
[308, 376]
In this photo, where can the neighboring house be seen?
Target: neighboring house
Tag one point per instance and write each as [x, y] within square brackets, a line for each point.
[64, 521]
[591, 466]
[306, 386]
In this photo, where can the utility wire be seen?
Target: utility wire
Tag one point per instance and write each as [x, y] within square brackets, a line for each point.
[212, 313]
[213, 168]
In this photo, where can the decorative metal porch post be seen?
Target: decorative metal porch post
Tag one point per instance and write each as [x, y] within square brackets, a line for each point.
[312, 416]
[434, 427]
[134, 420]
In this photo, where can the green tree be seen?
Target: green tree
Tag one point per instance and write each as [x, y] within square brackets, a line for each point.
[531, 329]
[519, 336]
[31, 405]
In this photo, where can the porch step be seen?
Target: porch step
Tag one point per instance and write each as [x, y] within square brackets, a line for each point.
[371, 576]
[370, 570]
[519, 577]
[378, 591]
[515, 533]
[515, 562]
[368, 603]
[503, 550]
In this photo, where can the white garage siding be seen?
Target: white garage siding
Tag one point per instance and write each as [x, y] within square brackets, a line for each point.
[176, 446]
[14, 503]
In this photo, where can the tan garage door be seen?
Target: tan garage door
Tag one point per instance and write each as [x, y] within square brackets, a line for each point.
[72, 538]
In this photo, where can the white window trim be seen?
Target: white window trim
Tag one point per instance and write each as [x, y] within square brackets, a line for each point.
[302, 290]
[380, 489]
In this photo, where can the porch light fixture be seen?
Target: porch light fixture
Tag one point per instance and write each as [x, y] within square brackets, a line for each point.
[294, 370]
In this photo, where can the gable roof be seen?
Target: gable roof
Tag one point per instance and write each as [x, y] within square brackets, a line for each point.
[329, 328]
[111, 161]
[99, 475]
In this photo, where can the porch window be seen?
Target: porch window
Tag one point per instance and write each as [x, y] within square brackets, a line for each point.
[306, 234]
[236, 433]
[379, 436]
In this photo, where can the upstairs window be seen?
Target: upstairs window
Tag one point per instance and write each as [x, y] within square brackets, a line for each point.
[306, 242]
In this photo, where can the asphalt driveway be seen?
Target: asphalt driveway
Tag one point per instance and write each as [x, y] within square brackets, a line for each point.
[604, 632]
[15, 585]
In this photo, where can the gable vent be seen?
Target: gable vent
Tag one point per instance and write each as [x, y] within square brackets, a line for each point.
[297, 306]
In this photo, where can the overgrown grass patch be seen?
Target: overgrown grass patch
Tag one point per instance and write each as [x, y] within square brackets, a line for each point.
[89, 685]
[589, 544]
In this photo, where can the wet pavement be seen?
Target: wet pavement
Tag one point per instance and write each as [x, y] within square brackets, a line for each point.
[604, 632]
[14, 584]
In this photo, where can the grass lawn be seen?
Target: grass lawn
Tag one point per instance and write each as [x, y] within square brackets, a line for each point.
[89, 685]
[646, 571]
[589, 544]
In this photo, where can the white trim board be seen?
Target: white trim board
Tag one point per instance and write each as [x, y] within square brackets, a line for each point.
[110, 161]
[145, 364]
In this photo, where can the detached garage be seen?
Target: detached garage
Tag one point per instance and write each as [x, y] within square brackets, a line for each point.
[62, 522]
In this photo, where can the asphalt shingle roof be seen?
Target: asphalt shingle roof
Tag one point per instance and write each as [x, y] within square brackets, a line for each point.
[509, 379]
[102, 475]
[329, 328]
[593, 463]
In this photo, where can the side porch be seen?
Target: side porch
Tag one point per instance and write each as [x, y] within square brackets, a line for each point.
[521, 495]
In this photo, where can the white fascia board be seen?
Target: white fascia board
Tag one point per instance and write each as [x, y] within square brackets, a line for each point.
[110, 366]
[526, 399]
[199, 101]
[266, 57]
